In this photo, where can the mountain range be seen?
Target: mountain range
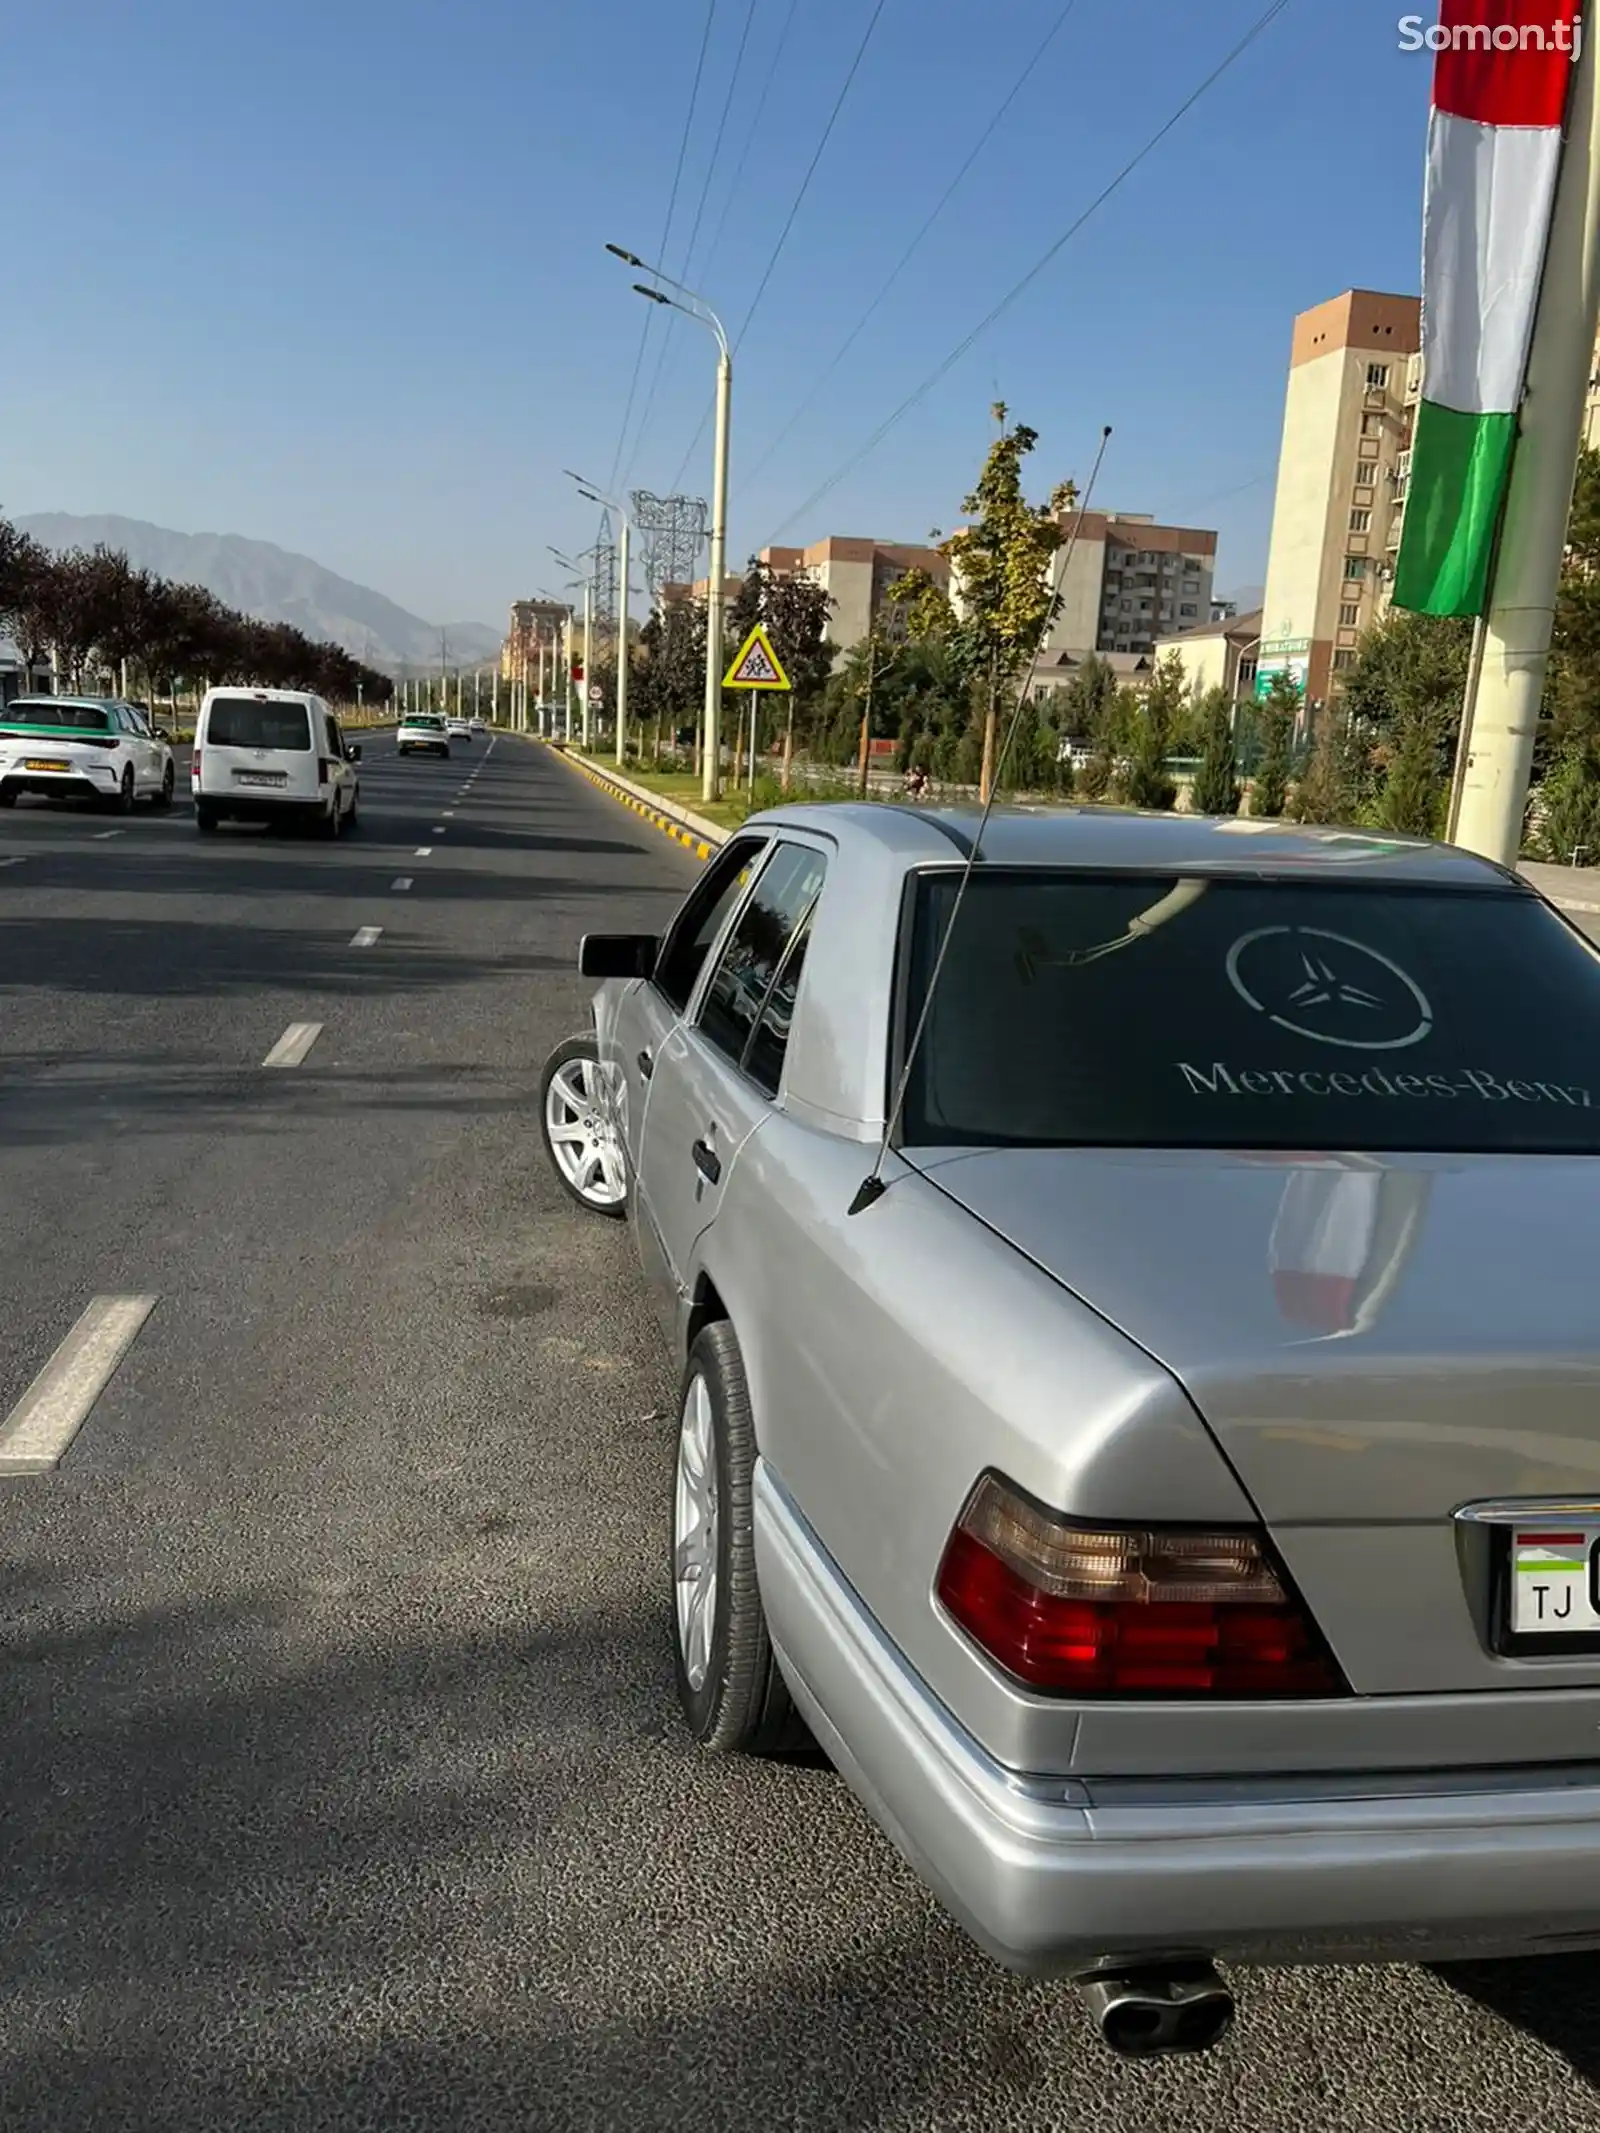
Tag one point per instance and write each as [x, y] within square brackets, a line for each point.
[273, 585]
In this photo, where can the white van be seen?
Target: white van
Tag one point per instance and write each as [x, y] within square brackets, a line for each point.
[272, 755]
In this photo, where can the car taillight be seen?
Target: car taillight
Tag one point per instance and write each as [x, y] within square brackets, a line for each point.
[1090, 1611]
[194, 763]
[107, 740]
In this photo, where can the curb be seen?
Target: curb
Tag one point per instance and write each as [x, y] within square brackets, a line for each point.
[701, 842]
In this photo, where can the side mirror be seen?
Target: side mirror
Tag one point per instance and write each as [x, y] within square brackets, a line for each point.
[162, 734]
[353, 753]
[617, 955]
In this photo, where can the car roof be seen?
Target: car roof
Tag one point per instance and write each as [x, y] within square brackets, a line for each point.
[93, 703]
[1114, 839]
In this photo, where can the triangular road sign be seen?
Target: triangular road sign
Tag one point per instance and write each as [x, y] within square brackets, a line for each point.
[756, 666]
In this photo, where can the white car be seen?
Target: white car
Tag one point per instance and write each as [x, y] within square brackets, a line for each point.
[479, 725]
[272, 755]
[459, 729]
[422, 733]
[93, 748]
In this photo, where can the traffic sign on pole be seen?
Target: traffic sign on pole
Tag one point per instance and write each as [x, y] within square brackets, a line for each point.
[756, 666]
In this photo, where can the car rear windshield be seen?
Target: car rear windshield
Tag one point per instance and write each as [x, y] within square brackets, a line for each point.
[241, 722]
[76, 718]
[1139, 1011]
[433, 724]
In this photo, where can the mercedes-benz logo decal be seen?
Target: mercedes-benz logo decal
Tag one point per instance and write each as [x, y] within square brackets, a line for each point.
[1328, 988]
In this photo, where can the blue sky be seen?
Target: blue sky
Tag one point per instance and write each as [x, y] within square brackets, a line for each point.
[330, 273]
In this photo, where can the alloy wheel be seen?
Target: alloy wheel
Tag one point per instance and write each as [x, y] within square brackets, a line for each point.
[694, 1533]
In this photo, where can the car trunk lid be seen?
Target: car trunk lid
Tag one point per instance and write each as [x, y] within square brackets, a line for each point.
[1374, 1343]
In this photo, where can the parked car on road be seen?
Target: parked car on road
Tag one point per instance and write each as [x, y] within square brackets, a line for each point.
[422, 733]
[94, 748]
[1141, 1371]
[273, 755]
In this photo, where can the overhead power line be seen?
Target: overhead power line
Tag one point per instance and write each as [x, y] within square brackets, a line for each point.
[666, 232]
[670, 339]
[1262, 23]
[915, 245]
[789, 221]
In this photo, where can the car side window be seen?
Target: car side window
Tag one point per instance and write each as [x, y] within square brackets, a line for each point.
[769, 1040]
[697, 925]
[755, 950]
[335, 745]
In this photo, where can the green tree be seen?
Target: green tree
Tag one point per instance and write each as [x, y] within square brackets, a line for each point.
[1146, 781]
[1275, 723]
[925, 608]
[1572, 694]
[1216, 782]
[1002, 562]
[1332, 786]
[1566, 810]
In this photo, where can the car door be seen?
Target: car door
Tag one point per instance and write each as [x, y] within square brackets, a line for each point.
[646, 1012]
[142, 747]
[338, 768]
[703, 1102]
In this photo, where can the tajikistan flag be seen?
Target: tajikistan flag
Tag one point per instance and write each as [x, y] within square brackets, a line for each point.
[1494, 140]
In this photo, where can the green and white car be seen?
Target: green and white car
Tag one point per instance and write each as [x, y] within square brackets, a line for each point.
[93, 748]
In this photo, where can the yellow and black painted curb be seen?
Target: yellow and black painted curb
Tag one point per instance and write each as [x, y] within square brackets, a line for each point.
[691, 840]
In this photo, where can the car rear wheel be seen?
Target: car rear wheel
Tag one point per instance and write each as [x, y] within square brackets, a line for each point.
[729, 1686]
[577, 1113]
[205, 818]
[123, 803]
[7, 797]
[163, 799]
[332, 822]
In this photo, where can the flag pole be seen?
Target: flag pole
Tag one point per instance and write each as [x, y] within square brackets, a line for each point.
[1503, 717]
[1469, 702]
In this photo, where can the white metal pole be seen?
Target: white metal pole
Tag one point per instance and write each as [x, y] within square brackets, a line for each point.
[566, 672]
[494, 695]
[1522, 592]
[711, 781]
[588, 655]
[622, 647]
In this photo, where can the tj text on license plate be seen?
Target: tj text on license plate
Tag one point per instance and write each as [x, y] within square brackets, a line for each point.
[1553, 1581]
[40, 762]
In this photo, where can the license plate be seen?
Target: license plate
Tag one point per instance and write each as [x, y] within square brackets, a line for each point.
[260, 777]
[40, 762]
[1553, 1581]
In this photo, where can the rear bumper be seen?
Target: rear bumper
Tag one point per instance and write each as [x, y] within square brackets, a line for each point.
[87, 783]
[261, 806]
[1056, 1875]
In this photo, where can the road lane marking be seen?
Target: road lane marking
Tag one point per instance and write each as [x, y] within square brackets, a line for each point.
[56, 1405]
[100, 836]
[439, 829]
[401, 881]
[13, 862]
[449, 814]
[293, 1045]
[424, 851]
[365, 937]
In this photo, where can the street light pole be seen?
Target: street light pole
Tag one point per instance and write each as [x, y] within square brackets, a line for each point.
[590, 494]
[696, 307]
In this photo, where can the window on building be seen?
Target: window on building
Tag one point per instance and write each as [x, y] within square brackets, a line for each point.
[1343, 659]
[1366, 473]
[1360, 521]
[1355, 566]
[1377, 377]
[1372, 425]
[1349, 616]
[1188, 608]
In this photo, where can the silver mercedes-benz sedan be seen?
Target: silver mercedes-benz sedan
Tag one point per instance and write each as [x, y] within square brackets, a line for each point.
[1138, 1289]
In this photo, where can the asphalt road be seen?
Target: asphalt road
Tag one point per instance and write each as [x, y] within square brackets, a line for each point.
[342, 1781]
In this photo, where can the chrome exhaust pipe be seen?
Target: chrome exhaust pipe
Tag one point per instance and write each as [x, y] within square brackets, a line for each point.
[1141, 2014]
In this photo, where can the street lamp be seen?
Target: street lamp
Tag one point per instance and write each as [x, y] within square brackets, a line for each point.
[586, 581]
[588, 490]
[696, 307]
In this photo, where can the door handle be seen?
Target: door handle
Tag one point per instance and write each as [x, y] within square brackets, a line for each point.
[707, 1162]
[646, 1065]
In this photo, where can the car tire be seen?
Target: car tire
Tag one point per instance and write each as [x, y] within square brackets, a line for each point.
[123, 803]
[205, 818]
[732, 1694]
[569, 1098]
[330, 824]
[7, 797]
[352, 814]
[162, 800]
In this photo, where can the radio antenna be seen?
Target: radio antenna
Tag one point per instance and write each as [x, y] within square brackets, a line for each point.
[872, 1187]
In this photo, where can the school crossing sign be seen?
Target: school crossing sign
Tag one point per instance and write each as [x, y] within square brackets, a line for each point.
[756, 666]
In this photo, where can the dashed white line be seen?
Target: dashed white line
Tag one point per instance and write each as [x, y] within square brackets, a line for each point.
[439, 829]
[100, 836]
[365, 937]
[55, 1406]
[293, 1045]
[423, 851]
[401, 881]
[15, 861]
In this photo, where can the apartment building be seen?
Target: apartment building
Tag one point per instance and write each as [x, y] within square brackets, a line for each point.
[1343, 465]
[855, 573]
[533, 623]
[1219, 654]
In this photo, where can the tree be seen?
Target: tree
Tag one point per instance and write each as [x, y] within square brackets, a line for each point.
[1002, 562]
[925, 608]
[1572, 694]
[1332, 787]
[1146, 781]
[1568, 807]
[1216, 781]
[1276, 716]
[1114, 713]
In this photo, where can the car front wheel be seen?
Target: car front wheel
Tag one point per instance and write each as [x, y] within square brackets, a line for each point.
[729, 1686]
[577, 1115]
